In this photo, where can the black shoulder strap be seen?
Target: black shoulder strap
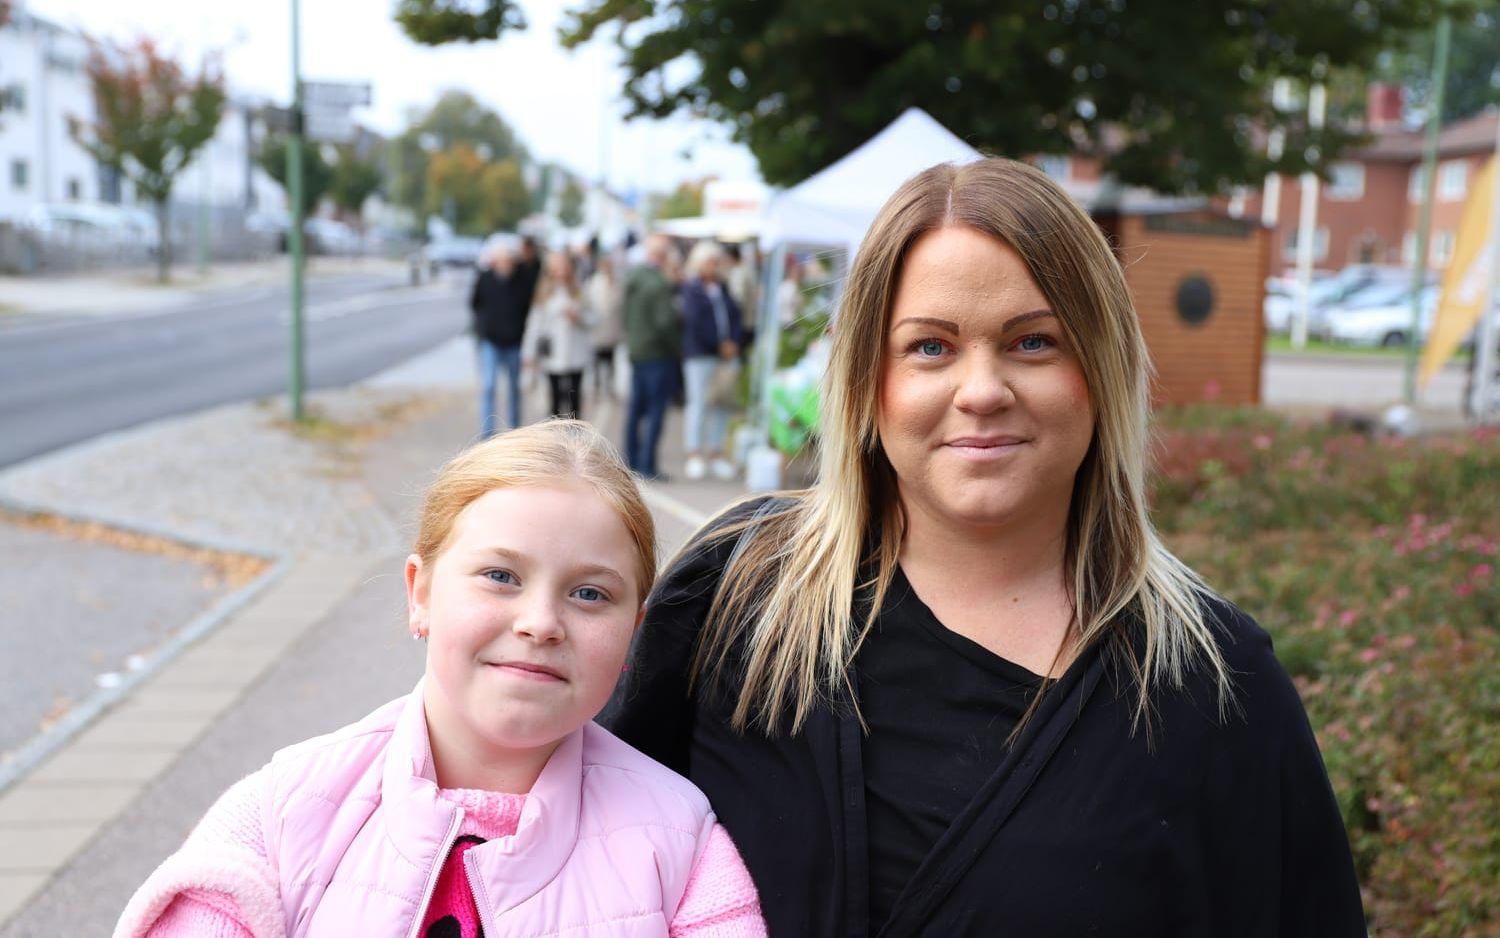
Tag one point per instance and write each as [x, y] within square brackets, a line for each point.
[971, 832]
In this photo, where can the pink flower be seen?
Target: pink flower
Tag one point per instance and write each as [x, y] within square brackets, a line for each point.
[1481, 571]
[1464, 590]
[1369, 655]
[1262, 441]
[1348, 617]
[1400, 593]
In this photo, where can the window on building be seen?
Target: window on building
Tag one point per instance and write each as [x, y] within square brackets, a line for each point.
[13, 98]
[1416, 188]
[19, 175]
[1453, 180]
[1346, 182]
[1442, 248]
[1054, 166]
[75, 189]
[1320, 245]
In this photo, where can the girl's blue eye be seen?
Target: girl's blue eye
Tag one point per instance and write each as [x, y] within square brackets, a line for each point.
[1034, 343]
[589, 594]
[930, 348]
[501, 576]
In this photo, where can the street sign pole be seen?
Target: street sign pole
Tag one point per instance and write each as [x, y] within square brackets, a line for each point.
[294, 234]
[1424, 219]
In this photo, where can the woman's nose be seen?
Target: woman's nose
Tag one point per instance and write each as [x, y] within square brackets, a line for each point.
[983, 385]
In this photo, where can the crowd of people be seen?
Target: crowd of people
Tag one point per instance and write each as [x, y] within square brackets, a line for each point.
[685, 325]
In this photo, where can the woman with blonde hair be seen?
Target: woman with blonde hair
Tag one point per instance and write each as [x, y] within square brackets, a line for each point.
[558, 337]
[960, 686]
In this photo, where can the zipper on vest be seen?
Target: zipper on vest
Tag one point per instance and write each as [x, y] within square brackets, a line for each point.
[437, 870]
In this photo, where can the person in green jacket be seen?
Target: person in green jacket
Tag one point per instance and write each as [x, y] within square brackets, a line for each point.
[653, 337]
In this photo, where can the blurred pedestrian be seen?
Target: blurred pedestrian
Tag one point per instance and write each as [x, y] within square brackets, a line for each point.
[789, 297]
[653, 336]
[741, 277]
[530, 265]
[558, 341]
[500, 303]
[711, 335]
[602, 294]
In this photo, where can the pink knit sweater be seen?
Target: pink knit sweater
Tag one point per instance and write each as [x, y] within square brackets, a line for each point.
[720, 901]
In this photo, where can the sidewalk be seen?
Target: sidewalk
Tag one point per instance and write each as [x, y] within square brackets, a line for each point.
[135, 290]
[320, 644]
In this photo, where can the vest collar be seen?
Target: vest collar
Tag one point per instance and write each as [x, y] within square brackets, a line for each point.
[511, 869]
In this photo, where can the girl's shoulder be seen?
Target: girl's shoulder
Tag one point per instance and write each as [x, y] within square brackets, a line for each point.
[332, 764]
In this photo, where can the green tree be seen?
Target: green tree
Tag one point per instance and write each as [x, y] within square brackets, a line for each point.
[686, 201]
[570, 204]
[152, 117]
[456, 118]
[437, 21]
[453, 189]
[317, 175]
[354, 179]
[1473, 65]
[1168, 93]
[504, 195]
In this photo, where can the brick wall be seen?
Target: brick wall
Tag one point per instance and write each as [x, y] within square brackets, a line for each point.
[1218, 359]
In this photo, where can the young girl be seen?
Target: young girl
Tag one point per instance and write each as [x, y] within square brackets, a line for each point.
[486, 802]
[558, 335]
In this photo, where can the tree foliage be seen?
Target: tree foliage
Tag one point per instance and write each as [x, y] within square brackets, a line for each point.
[456, 118]
[475, 195]
[438, 21]
[1473, 65]
[1168, 93]
[686, 201]
[317, 174]
[151, 118]
[570, 204]
[505, 198]
[354, 178]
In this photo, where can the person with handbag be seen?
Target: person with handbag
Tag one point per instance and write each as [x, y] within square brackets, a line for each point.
[560, 340]
[712, 331]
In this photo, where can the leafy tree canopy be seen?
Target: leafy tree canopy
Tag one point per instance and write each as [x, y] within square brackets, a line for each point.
[458, 117]
[317, 174]
[1473, 65]
[505, 199]
[570, 204]
[685, 201]
[476, 196]
[354, 179]
[1168, 93]
[438, 21]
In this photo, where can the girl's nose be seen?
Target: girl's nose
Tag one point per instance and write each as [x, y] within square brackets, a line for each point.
[540, 621]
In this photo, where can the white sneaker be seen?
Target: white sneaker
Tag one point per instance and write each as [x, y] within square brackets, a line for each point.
[695, 469]
[723, 469]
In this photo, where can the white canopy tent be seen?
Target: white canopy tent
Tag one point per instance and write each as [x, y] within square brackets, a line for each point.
[833, 209]
[835, 206]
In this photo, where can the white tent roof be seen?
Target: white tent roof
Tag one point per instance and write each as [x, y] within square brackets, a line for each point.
[837, 205]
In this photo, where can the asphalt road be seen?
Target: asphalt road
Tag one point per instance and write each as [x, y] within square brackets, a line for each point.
[72, 380]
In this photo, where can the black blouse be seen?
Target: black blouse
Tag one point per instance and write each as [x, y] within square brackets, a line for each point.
[1086, 826]
[940, 709]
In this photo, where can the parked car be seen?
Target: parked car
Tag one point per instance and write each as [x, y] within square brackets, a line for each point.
[454, 252]
[1282, 294]
[1386, 323]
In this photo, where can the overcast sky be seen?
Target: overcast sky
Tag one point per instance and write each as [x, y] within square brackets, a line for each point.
[565, 105]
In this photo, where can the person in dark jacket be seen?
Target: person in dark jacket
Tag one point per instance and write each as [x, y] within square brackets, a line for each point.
[712, 331]
[500, 303]
[960, 687]
[653, 337]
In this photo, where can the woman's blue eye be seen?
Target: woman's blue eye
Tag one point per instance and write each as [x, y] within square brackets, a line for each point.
[930, 348]
[1034, 343]
[501, 576]
[589, 594]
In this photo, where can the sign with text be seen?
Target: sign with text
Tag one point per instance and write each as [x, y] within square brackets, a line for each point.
[334, 94]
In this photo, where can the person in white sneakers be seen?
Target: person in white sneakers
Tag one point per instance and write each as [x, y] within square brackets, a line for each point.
[712, 331]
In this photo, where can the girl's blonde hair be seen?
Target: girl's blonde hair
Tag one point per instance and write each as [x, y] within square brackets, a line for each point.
[555, 452]
[785, 607]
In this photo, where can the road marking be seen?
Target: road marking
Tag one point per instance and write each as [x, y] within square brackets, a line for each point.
[680, 510]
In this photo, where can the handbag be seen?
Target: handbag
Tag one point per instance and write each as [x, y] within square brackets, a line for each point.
[544, 347]
[724, 386]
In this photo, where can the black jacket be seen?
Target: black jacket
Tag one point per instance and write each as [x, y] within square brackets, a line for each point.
[500, 304]
[700, 328]
[1222, 829]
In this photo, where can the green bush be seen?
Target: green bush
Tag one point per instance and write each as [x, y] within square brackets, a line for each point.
[1373, 563]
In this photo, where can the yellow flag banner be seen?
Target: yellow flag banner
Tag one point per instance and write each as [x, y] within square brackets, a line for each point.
[1464, 281]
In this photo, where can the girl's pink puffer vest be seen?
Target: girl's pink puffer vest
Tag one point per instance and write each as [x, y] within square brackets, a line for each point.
[357, 832]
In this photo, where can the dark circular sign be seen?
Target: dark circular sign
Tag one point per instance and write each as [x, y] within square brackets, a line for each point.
[1195, 299]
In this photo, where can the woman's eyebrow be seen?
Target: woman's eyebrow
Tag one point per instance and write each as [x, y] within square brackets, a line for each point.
[1026, 317]
[929, 321]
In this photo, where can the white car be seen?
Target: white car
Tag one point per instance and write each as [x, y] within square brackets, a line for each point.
[1281, 300]
[1385, 324]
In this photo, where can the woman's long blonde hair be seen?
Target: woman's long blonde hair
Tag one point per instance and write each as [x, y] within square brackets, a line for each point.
[784, 616]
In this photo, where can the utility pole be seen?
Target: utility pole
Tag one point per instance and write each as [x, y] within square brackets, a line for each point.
[1424, 221]
[294, 235]
[1307, 225]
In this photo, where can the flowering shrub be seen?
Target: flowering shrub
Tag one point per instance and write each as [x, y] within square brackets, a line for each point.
[1373, 564]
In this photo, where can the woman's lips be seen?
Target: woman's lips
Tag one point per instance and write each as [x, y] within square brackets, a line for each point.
[528, 672]
[985, 448]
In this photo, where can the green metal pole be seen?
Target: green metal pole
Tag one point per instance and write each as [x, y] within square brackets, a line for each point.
[294, 235]
[1424, 221]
